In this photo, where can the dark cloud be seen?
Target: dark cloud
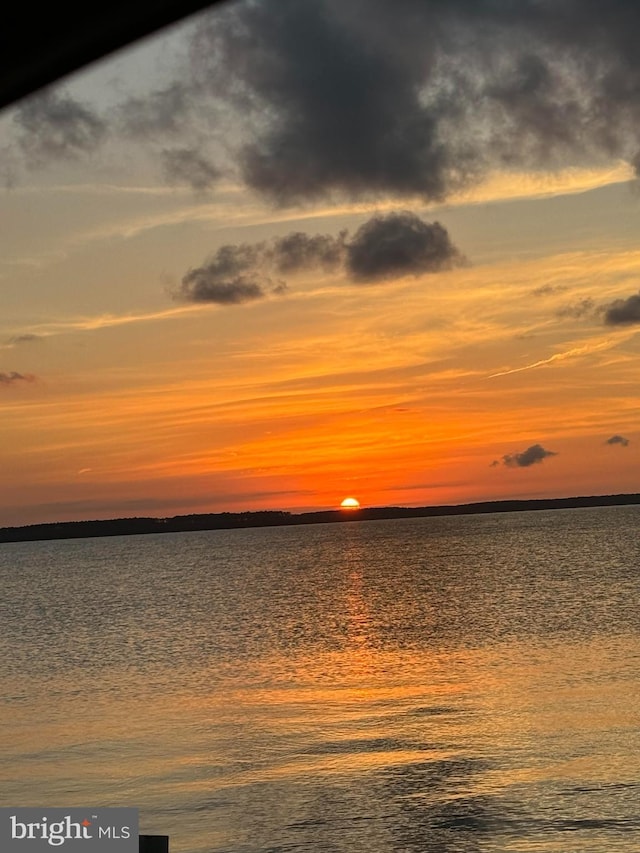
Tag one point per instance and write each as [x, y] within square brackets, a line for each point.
[531, 456]
[55, 126]
[298, 251]
[618, 439]
[421, 97]
[201, 285]
[623, 311]
[243, 273]
[399, 244]
[13, 377]
[230, 277]
[391, 98]
[394, 245]
[339, 99]
[188, 166]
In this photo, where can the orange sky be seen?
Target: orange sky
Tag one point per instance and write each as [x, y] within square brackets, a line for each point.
[119, 400]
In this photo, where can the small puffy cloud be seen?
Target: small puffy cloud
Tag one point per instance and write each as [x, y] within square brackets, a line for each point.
[235, 274]
[623, 311]
[12, 377]
[55, 126]
[399, 244]
[531, 456]
[618, 439]
[229, 278]
[188, 166]
[200, 285]
[384, 247]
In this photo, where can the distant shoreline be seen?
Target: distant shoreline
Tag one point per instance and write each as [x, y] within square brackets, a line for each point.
[278, 518]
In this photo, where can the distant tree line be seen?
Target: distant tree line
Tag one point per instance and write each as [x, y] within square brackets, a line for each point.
[272, 518]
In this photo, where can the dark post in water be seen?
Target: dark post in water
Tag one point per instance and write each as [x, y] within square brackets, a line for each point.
[153, 844]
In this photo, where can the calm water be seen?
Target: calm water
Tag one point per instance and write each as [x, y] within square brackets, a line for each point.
[430, 685]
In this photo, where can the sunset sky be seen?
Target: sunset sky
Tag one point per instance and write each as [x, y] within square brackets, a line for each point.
[292, 251]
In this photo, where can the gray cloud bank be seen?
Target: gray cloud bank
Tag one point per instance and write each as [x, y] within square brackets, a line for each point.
[368, 98]
[618, 439]
[385, 247]
[421, 97]
[531, 456]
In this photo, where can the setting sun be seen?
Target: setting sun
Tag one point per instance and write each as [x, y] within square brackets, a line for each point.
[350, 503]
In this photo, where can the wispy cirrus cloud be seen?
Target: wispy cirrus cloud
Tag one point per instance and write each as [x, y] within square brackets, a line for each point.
[101, 321]
[574, 352]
